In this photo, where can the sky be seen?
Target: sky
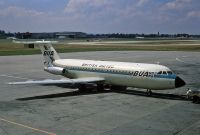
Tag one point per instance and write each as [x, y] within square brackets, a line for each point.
[101, 16]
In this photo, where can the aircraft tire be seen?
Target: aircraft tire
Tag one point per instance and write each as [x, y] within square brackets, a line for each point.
[149, 92]
[100, 87]
[82, 87]
[195, 99]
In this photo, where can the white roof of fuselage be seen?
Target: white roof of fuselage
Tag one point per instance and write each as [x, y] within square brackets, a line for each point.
[117, 65]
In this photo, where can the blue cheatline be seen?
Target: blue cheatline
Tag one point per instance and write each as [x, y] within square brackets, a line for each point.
[171, 76]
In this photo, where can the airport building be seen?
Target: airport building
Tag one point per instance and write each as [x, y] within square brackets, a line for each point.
[49, 35]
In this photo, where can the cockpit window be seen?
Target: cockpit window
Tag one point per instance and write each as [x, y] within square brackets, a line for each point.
[164, 72]
[160, 72]
[169, 72]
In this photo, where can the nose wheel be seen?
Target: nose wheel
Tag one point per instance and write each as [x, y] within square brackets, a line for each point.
[149, 92]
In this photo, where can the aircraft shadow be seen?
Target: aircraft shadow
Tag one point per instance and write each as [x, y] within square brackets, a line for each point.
[90, 92]
[154, 95]
[65, 94]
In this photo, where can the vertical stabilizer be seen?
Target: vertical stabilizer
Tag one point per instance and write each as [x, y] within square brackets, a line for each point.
[49, 54]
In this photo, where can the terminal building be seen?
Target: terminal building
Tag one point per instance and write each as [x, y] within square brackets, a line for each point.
[63, 35]
[50, 35]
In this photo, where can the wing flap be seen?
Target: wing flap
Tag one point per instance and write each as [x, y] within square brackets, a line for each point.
[61, 81]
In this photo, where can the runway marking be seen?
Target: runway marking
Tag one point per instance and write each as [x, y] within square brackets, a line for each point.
[180, 60]
[10, 76]
[25, 126]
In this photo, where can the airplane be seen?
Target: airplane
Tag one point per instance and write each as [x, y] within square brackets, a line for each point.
[116, 75]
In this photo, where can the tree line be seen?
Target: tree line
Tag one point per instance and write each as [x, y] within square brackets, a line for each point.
[28, 35]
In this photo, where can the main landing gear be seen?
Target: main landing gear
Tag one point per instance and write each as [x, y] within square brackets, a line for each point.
[100, 87]
[82, 87]
[85, 87]
[117, 88]
[149, 92]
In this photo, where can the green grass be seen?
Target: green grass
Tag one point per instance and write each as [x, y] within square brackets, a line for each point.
[68, 49]
[9, 48]
[18, 52]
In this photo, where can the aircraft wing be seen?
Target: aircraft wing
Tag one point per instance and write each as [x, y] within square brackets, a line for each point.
[62, 81]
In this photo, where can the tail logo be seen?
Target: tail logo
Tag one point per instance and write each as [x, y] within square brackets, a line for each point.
[48, 53]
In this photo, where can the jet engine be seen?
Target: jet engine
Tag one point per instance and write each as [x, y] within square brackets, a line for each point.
[55, 70]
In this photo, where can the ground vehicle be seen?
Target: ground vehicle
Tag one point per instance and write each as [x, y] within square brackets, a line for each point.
[194, 95]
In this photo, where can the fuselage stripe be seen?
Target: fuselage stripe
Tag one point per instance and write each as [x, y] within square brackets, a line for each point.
[118, 72]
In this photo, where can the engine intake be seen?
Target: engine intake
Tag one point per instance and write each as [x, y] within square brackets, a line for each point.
[55, 70]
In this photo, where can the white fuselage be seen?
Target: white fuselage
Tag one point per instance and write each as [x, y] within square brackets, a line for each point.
[82, 72]
[137, 75]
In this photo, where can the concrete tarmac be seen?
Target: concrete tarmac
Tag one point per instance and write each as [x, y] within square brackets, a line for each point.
[61, 110]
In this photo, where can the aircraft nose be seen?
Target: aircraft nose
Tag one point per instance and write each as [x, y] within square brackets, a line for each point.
[179, 82]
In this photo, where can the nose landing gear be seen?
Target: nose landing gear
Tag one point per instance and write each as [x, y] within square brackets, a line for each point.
[149, 92]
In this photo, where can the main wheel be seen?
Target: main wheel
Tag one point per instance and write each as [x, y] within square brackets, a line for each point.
[149, 92]
[100, 87]
[195, 99]
[82, 87]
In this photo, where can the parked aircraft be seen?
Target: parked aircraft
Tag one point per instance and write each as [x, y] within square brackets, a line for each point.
[117, 75]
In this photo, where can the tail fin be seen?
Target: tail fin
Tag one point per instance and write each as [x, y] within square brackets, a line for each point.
[49, 54]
